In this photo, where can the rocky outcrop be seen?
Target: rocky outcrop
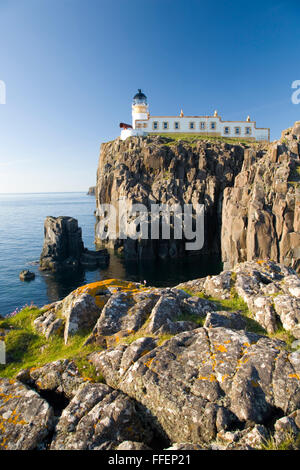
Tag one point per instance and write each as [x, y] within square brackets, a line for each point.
[99, 418]
[211, 364]
[206, 381]
[26, 275]
[155, 170]
[63, 246]
[152, 311]
[88, 416]
[261, 213]
[26, 419]
[81, 309]
[270, 291]
[117, 309]
[61, 378]
[91, 191]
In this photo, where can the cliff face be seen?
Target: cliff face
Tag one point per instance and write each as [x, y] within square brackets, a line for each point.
[261, 213]
[250, 193]
[157, 170]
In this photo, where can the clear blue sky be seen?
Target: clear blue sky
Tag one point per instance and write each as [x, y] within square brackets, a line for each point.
[71, 68]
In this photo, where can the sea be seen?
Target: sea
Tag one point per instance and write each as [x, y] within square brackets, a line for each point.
[21, 239]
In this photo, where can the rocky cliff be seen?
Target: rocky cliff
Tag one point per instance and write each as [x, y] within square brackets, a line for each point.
[156, 170]
[250, 192]
[261, 213]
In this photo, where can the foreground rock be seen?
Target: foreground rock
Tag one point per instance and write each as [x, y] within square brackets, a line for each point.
[26, 275]
[270, 290]
[63, 246]
[81, 309]
[26, 420]
[181, 371]
[99, 418]
[204, 381]
[85, 416]
[261, 213]
[152, 311]
[60, 377]
[115, 309]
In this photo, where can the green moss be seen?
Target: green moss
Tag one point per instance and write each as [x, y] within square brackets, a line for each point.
[192, 139]
[235, 303]
[283, 335]
[294, 176]
[194, 318]
[167, 175]
[163, 338]
[134, 336]
[290, 443]
[25, 348]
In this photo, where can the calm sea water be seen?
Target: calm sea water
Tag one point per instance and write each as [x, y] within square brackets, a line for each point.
[21, 239]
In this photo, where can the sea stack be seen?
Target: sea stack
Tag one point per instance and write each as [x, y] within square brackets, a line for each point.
[91, 191]
[63, 246]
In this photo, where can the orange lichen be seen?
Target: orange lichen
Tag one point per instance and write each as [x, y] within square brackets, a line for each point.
[149, 362]
[221, 348]
[211, 378]
[224, 377]
[145, 352]
[99, 290]
[294, 376]
[254, 383]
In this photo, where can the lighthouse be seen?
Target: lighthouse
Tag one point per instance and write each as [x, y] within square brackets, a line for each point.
[140, 110]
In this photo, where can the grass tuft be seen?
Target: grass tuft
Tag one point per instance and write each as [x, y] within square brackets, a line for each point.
[25, 348]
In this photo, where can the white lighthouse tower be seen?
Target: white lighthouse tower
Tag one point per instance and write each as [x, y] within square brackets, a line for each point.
[140, 110]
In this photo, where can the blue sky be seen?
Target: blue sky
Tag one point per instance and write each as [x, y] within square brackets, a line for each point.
[71, 68]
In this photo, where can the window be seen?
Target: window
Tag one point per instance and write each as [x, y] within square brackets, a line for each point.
[237, 130]
[165, 125]
[176, 125]
[212, 125]
[192, 125]
[248, 130]
[226, 130]
[145, 124]
[155, 125]
[202, 125]
[138, 125]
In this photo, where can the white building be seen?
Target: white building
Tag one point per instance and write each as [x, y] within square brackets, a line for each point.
[143, 123]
